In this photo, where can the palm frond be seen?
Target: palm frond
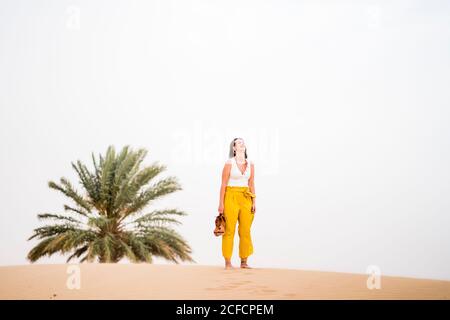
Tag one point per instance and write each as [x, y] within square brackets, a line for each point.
[70, 192]
[158, 190]
[133, 184]
[166, 243]
[88, 181]
[140, 250]
[80, 211]
[52, 230]
[159, 216]
[48, 216]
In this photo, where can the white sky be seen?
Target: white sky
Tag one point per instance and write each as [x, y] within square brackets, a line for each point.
[344, 106]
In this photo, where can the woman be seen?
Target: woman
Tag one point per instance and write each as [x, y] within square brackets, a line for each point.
[237, 202]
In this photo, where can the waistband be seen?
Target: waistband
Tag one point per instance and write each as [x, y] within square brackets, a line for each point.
[245, 190]
[237, 188]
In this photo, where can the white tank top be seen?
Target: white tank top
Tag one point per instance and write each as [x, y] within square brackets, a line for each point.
[236, 177]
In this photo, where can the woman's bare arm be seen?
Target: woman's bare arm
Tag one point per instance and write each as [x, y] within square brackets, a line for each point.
[225, 176]
[251, 180]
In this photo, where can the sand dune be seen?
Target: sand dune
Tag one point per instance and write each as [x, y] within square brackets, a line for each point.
[144, 281]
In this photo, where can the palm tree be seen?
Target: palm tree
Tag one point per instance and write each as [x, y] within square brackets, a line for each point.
[107, 222]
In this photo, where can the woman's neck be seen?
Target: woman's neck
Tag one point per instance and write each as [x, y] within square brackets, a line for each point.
[240, 157]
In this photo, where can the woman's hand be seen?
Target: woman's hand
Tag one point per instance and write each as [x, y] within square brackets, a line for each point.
[254, 207]
[221, 208]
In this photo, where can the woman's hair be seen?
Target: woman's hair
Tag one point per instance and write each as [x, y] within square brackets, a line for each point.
[232, 152]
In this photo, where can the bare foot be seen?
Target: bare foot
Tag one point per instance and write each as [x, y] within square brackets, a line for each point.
[228, 265]
[244, 265]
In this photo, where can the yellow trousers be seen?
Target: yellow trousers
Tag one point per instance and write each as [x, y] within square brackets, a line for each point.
[238, 207]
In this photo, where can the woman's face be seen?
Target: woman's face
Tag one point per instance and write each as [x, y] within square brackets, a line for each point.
[239, 145]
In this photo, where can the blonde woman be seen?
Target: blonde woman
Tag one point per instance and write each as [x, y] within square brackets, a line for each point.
[237, 202]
